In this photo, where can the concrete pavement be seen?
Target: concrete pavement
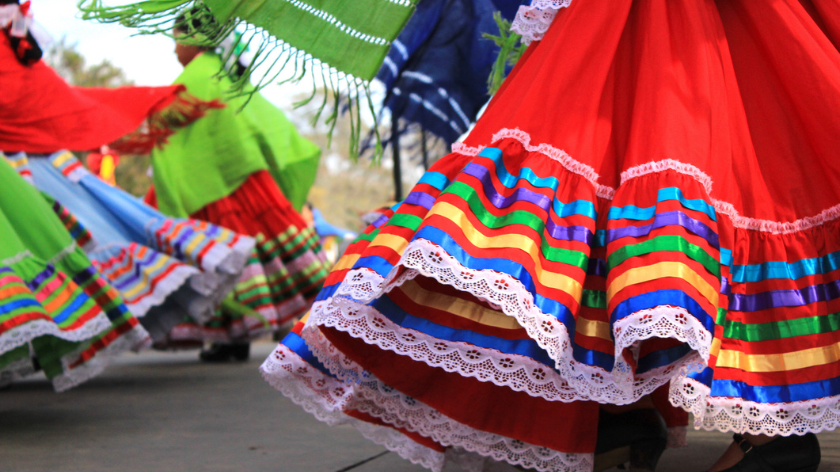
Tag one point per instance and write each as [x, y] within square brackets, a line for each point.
[169, 412]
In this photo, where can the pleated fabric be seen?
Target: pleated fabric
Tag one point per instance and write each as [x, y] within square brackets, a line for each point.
[54, 305]
[165, 269]
[651, 199]
[284, 272]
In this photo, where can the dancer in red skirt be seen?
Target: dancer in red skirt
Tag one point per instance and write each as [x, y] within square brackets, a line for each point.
[650, 201]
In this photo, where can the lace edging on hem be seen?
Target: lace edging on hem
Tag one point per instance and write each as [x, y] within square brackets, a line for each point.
[371, 396]
[741, 416]
[135, 339]
[504, 291]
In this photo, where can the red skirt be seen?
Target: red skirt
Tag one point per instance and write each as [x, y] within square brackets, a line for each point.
[285, 271]
[652, 198]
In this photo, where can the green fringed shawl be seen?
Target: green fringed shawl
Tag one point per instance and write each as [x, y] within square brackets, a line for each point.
[349, 38]
[212, 157]
[352, 36]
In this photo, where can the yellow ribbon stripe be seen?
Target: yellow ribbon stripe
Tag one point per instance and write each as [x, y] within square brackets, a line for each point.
[347, 261]
[662, 270]
[146, 278]
[779, 362]
[553, 280]
[64, 157]
[458, 307]
[594, 329]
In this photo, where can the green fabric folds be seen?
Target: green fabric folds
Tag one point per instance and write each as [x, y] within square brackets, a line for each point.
[351, 36]
[209, 159]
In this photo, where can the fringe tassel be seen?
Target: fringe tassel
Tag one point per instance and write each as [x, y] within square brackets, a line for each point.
[162, 123]
[342, 92]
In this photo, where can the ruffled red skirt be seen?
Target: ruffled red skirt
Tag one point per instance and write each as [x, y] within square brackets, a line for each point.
[285, 271]
[652, 198]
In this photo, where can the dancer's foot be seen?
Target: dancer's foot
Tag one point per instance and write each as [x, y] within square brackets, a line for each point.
[761, 453]
[225, 352]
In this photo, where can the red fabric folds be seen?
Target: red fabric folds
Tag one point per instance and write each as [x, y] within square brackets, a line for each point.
[257, 206]
[41, 113]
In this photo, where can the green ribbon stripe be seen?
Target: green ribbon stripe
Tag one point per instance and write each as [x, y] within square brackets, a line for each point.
[781, 329]
[411, 222]
[594, 298]
[665, 243]
[517, 217]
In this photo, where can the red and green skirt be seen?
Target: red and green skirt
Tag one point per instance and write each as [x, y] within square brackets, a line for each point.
[55, 307]
[285, 271]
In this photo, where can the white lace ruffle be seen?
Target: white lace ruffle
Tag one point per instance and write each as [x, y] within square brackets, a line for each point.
[667, 322]
[725, 208]
[516, 372]
[582, 382]
[742, 416]
[533, 21]
[134, 339]
[162, 290]
[373, 397]
[22, 334]
[408, 449]
[568, 162]
[327, 398]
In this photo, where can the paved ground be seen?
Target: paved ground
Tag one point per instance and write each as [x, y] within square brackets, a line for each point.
[168, 412]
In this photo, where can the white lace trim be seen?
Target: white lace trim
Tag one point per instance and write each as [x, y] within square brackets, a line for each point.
[327, 398]
[162, 290]
[63, 253]
[508, 294]
[22, 334]
[391, 406]
[461, 148]
[373, 397]
[319, 395]
[135, 339]
[516, 372]
[666, 322]
[58, 257]
[16, 258]
[568, 162]
[741, 416]
[397, 442]
[533, 21]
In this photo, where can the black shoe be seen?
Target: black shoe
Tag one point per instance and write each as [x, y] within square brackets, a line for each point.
[637, 437]
[225, 352]
[783, 454]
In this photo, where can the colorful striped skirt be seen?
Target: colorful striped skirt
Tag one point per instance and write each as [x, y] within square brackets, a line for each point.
[167, 270]
[284, 272]
[650, 202]
[55, 307]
